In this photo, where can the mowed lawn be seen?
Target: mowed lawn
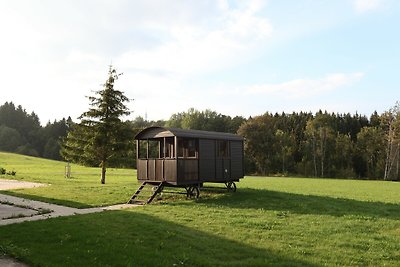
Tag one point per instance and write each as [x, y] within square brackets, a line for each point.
[267, 222]
[82, 190]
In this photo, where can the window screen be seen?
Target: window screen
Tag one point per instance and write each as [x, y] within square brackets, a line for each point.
[222, 149]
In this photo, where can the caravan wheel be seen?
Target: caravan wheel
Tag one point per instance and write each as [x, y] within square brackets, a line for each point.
[231, 186]
[192, 192]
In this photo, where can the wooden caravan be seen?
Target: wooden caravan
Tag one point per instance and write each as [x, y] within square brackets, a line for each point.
[188, 158]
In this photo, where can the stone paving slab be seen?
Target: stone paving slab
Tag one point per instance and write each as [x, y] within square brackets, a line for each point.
[56, 210]
[9, 211]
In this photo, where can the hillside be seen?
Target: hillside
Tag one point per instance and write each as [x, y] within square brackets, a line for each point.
[268, 221]
[73, 191]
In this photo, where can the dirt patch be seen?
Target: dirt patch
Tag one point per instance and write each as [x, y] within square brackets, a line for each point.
[6, 184]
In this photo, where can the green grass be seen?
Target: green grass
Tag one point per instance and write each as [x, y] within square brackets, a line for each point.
[267, 222]
[82, 190]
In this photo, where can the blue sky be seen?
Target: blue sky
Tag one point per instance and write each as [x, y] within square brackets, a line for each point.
[234, 57]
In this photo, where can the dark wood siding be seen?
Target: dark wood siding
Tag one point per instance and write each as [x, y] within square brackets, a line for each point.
[156, 170]
[151, 170]
[222, 170]
[219, 165]
[188, 170]
[170, 170]
[159, 170]
[142, 169]
[236, 159]
[226, 169]
[206, 160]
[217, 157]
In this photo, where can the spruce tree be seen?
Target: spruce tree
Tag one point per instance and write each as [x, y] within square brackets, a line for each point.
[101, 135]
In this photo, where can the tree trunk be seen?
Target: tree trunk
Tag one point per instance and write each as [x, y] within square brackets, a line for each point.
[388, 153]
[323, 136]
[314, 156]
[103, 172]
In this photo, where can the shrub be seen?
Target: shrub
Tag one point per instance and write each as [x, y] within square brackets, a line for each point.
[2, 170]
[13, 173]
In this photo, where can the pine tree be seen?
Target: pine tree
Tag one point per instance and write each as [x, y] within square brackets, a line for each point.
[101, 136]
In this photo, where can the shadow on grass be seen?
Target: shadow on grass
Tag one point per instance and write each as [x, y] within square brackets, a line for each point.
[61, 202]
[123, 238]
[303, 204]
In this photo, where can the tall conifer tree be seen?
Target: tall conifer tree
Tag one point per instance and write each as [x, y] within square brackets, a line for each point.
[101, 135]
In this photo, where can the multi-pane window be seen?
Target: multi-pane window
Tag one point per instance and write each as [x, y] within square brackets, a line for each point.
[169, 148]
[187, 148]
[156, 148]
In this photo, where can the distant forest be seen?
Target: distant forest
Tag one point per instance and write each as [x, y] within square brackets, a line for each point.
[300, 144]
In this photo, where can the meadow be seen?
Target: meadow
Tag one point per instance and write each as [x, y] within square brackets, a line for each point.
[267, 222]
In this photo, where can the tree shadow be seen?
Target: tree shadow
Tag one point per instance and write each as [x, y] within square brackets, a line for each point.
[247, 198]
[62, 202]
[126, 238]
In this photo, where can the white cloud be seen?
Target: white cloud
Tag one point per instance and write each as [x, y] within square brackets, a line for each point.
[52, 59]
[190, 48]
[362, 6]
[157, 44]
[305, 87]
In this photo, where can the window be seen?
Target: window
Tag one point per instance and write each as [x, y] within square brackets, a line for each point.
[222, 149]
[153, 149]
[142, 149]
[169, 147]
[187, 148]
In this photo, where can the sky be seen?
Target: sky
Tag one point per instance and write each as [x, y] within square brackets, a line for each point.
[233, 57]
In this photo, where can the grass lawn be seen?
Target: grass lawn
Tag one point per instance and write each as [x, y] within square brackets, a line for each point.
[82, 190]
[268, 221]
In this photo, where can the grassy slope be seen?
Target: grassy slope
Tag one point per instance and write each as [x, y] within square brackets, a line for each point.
[269, 221]
[82, 190]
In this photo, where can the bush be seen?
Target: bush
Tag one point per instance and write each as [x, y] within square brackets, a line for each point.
[13, 173]
[4, 171]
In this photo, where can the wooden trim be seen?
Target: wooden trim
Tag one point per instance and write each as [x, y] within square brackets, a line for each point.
[243, 158]
[215, 159]
[137, 151]
[176, 158]
[164, 147]
[148, 148]
[175, 147]
[230, 159]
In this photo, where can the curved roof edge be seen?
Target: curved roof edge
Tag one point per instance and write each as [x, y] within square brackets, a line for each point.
[158, 132]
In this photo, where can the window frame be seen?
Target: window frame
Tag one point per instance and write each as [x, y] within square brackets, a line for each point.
[183, 151]
[223, 149]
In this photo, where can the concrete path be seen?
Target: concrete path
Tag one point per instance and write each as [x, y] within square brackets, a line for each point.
[17, 210]
[30, 210]
[55, 210]
[9, 211]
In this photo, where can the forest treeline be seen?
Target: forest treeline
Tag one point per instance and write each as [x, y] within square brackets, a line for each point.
[300, 143]
[22, 133]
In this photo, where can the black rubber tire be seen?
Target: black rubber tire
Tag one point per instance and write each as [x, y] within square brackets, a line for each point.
[231, 186]
[193, 192]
